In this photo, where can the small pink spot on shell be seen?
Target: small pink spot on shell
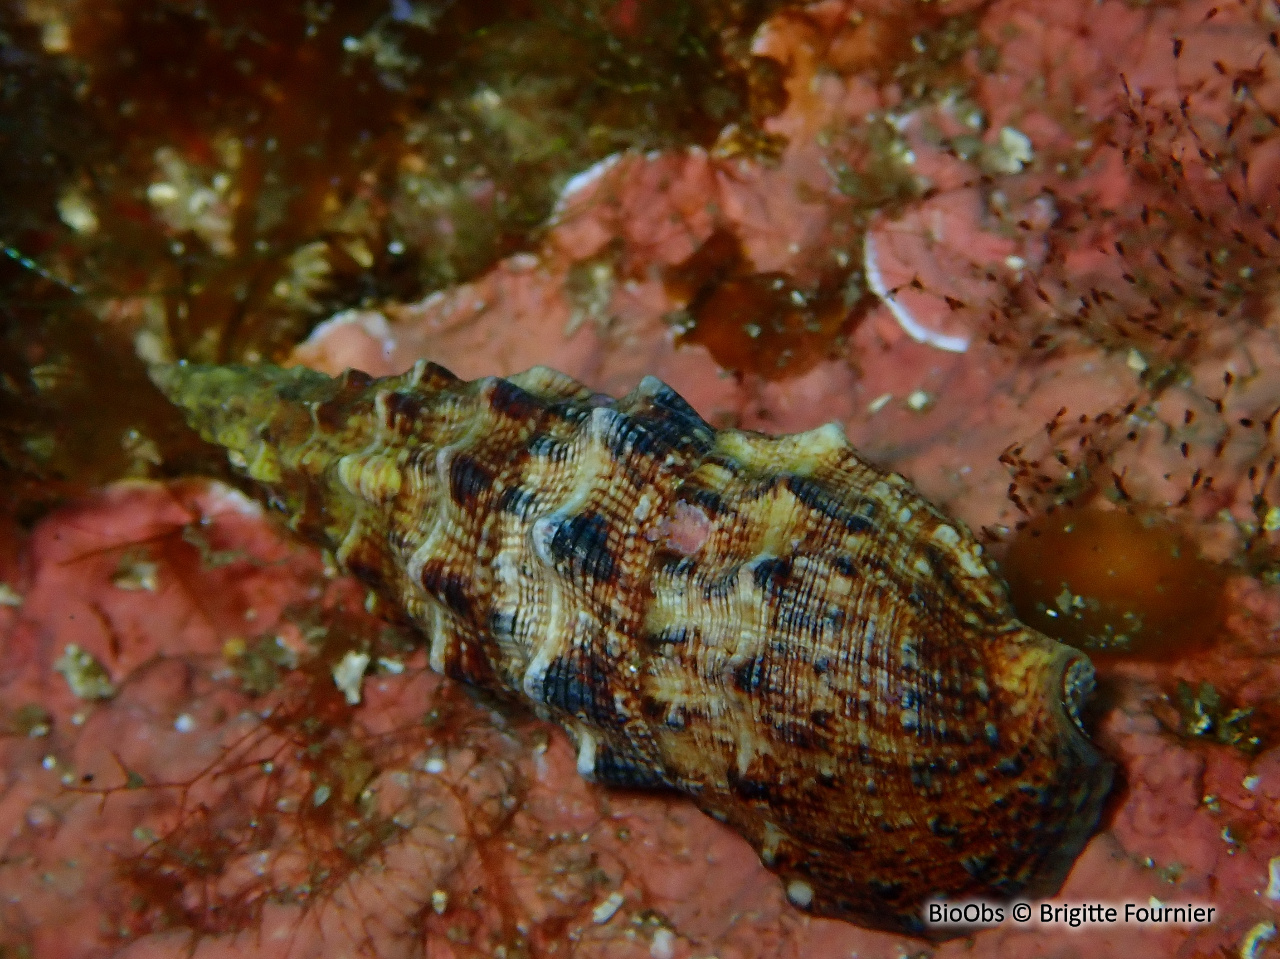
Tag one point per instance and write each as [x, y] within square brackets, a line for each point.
[686, 528]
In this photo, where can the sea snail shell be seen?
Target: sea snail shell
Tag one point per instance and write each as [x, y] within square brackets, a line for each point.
[794, 639]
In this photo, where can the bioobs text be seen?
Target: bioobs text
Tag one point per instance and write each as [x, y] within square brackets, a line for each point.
[964, 914]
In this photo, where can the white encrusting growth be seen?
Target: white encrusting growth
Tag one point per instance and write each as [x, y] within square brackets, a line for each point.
[371, 323]
[221, 495]
[606, 910]
[663, 944]
[1255, 939]
[800, 893]
[580, 181]
[348, 675]
[913, 327]
[586, 754]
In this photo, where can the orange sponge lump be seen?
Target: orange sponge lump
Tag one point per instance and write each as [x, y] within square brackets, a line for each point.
[1111, 582]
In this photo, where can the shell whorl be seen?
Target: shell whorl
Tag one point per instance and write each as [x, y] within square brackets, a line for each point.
[770, 625]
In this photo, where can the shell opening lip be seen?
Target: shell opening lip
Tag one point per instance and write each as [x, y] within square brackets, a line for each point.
[1078, 685]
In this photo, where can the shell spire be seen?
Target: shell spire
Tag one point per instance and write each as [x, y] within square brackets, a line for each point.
[794, 639]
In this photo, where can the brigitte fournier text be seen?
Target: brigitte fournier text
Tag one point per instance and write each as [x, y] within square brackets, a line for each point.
[1075, 914]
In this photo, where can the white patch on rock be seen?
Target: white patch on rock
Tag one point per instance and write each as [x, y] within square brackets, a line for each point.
[663, 945]
[348, 675]
[606, 910]
[912, 326]
[370, 322]
[580, 181]
[800, 893]
[586, 754]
